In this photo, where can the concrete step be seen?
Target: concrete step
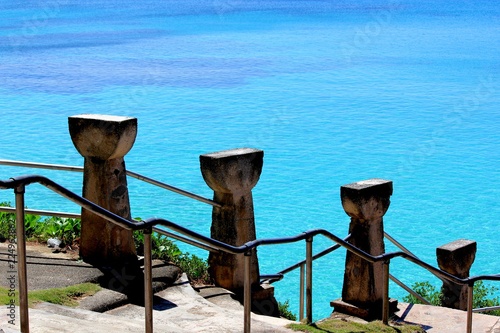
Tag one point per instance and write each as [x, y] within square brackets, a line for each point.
[7, 329]
[436, 319]
[50, 318]
[182, 305]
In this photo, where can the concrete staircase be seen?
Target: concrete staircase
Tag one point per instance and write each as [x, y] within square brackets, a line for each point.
[192, 312]
[177, 309]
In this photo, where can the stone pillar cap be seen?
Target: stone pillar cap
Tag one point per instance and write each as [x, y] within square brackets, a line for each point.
[102, 136]
[457, 257]
[232, 171]
[456, 245]
[366, 199]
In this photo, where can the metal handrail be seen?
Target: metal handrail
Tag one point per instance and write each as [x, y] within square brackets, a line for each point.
[129, 173]
[274, 277]
[19, 184]
[270, 278]
[409, 290]
[399, 282]
[486, 309]
[398, 244]
[42, 212]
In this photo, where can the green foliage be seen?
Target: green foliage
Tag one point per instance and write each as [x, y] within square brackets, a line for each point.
[32, 225]
[285, 312]
[7, 220]
[484, 296]
[195, 267]
[65, 229]
[164, 248]
[427, 291]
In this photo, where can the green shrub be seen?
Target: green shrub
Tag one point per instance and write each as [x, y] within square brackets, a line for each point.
[484, 297]
[285, 312]
[41, 229]
[32, 226]
[7, 221]
[427, 291]
[164, 248]
[66, 230]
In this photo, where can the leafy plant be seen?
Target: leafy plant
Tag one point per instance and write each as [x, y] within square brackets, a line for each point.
[427, 291]
[65, 229]
[484, 297]
[195, 267]
[32, 225]
[164, 248]
[285, 312]
[7, 221]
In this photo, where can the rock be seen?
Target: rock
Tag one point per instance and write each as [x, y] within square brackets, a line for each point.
[53, 242]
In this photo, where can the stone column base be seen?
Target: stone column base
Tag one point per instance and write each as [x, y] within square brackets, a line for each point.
[366, 313]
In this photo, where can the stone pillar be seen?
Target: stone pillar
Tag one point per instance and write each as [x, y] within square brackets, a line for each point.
[103, 141]
[456, 258]
[365, 202]
[232, 174]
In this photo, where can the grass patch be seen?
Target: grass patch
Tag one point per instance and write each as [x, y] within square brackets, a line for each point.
[67, 296]
[340, 326]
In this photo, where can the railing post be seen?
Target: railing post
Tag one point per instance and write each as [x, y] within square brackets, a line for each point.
[301, 302]
[247, 293]
[309, 262]
[385, 300]
[456, 258]
[21, 259]
[148, 281]
[470, 304]
[365, 202]
[103, 141]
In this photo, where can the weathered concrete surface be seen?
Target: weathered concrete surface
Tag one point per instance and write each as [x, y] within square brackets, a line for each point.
[232, 174]
[445, 320]
[456, 258]
[365, 202]
[177, 309]
[50, 318]
[47, 270]
[183, 306]
[103, 141]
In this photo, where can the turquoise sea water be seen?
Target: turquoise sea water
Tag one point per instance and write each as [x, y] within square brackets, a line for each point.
[333, 92]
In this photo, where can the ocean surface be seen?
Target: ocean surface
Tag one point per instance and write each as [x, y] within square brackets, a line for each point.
[333, 91]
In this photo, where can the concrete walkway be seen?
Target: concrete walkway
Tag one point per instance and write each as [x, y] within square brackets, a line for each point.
[444, 320]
